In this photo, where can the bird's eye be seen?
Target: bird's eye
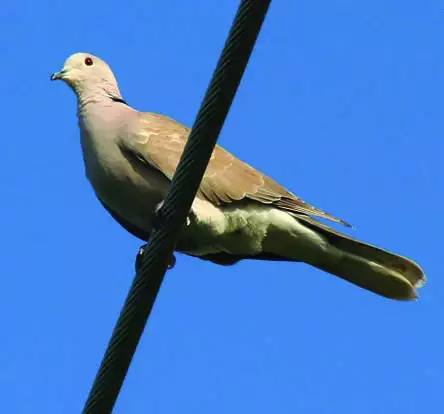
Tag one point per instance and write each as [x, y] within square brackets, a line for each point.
[88, 61]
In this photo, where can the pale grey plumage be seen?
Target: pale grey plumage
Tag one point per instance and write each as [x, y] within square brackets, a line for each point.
[238, 212]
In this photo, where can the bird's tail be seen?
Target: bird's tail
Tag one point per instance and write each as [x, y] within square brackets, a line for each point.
[367, 266]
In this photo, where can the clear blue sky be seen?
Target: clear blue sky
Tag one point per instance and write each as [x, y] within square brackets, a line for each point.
[340, 103]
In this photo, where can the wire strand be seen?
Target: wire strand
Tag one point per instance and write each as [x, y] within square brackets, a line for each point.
[153, 262]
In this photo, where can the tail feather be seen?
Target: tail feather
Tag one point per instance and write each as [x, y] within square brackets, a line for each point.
[367, 266]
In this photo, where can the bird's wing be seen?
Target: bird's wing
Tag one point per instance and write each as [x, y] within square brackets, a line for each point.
[158, 141]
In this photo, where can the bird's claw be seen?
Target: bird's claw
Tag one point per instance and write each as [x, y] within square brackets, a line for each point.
[139, 257]
[158, 208]
[160, 217]
[158, 214]
[171, 261]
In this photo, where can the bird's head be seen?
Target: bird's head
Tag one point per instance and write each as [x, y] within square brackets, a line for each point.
[83, 71]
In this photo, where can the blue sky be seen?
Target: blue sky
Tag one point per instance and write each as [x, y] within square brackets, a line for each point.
[340, 103]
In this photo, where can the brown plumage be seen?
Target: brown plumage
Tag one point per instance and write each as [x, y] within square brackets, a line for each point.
[238, 213]
[227, 179]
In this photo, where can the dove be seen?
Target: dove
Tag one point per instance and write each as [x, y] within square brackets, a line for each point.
[238, 213]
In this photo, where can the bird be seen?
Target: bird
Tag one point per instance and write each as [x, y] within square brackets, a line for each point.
[238, 213]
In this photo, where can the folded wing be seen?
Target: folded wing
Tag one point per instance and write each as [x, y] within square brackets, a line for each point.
[158, 141]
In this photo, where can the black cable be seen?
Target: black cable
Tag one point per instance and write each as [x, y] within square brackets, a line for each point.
[154, 260]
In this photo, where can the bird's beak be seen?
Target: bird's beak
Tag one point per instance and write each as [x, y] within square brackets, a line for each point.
[58, 75]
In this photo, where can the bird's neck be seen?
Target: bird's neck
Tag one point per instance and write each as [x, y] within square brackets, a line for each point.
[104, 95]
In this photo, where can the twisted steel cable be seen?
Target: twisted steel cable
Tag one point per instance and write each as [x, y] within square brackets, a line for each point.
[153, 262]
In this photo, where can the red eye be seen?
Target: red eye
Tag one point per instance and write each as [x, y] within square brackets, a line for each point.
[88, 61]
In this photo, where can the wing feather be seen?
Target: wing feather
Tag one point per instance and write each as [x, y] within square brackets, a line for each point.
[160, 141]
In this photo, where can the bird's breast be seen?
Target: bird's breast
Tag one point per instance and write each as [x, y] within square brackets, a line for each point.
[129, 192]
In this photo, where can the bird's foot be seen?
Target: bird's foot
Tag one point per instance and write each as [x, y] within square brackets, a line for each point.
[171, 261]
[161, 218]
[159, 215]
[139, 257]
[157, 209]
